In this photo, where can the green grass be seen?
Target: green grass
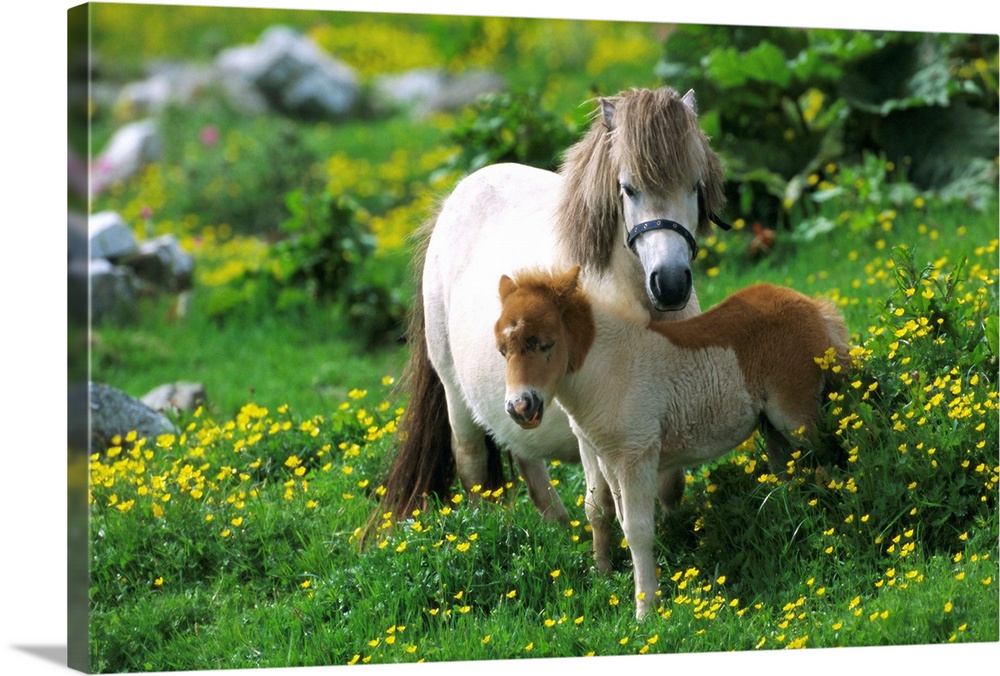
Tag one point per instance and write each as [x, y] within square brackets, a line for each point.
[306, 362]
[275, 577]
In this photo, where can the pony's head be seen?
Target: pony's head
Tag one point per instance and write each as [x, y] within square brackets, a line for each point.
[545, 329]
[643, 177]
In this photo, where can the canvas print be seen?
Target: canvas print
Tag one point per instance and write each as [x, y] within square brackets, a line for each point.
[402, 338]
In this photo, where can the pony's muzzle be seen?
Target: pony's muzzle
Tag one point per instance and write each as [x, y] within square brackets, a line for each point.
[669, 287]
[526, 410]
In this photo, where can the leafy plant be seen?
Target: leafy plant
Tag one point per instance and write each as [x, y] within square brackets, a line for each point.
[325, 244]
[783, 103]
[509, 127]
[237, 174]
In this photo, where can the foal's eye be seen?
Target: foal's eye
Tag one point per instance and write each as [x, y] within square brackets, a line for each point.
[546, 347]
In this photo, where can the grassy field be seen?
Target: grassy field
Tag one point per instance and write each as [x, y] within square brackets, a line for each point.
[234, 543]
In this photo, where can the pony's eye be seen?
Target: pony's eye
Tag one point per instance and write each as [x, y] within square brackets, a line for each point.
[503, 349]
[546, 347]
[628, 190]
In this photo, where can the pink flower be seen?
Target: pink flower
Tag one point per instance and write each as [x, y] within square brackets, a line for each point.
[209, 136]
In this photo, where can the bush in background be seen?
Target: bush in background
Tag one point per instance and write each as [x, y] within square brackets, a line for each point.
[783, 103]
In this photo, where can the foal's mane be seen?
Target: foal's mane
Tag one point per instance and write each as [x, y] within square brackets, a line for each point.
[656, 138]
[569, 299]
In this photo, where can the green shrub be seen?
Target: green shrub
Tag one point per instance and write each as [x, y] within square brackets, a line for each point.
[782, 103]
[509, 127]
[237, 174]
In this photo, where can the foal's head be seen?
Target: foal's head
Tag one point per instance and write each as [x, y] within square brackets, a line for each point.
[544, 331]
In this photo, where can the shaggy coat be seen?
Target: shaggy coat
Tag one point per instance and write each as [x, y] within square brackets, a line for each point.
[646, 399]
[507, 217]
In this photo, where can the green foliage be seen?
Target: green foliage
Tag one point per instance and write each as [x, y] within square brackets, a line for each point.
[509, 127]
[235, 174]
[782, 103]
[859, 199]
[324, 246]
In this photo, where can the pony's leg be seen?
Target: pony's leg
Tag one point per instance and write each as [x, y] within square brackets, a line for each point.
[637, 480]
[540, 489]
[600, 508]
[468, 443]
[671, 486]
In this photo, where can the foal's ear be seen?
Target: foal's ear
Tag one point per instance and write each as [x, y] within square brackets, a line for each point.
[507, 286]
[569, 281]
[688, 100]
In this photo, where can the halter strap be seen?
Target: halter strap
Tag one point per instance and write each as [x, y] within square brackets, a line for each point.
[662, 224]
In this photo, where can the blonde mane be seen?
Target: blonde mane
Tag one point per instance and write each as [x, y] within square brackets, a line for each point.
[654, 136]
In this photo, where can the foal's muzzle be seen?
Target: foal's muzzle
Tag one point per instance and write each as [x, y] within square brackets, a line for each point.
[526, 410]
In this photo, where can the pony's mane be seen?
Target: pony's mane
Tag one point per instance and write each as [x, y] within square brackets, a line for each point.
[656, 138]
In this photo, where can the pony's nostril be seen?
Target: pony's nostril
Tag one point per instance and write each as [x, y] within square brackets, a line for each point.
[670, 289]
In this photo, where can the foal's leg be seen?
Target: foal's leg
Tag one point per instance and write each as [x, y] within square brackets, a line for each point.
[600, 508]
[784, 426]
[637, 480]
[540, 489]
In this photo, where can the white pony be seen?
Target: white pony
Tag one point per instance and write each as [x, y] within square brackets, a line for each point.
[625, 205]
[646, 399]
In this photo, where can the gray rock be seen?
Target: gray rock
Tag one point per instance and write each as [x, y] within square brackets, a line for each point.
[114, 292]
[163, 263]
[426, 91]
[293, 75]
[112, 412]
[129, 150]
[180, 84]
[175, 397]
[77, 243]
[110, 237]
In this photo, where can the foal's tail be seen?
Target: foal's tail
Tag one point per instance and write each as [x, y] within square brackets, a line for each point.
[837, 335]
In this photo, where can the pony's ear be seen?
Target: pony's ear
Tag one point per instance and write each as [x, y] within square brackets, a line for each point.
[507, 286]
[688, 100]
[608, 112]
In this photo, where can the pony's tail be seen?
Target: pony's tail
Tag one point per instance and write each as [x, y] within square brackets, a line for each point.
[424, 465]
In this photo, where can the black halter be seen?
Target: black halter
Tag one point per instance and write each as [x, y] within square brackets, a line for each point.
[662, 224]
[667, 224]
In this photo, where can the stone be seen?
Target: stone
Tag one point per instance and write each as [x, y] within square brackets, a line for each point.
[131, 148]
[176, 397]
[110, 237]
[164, 264]
[293, 74]
[112, 412]
[180, 84]
[114, 292]
[426, 91]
